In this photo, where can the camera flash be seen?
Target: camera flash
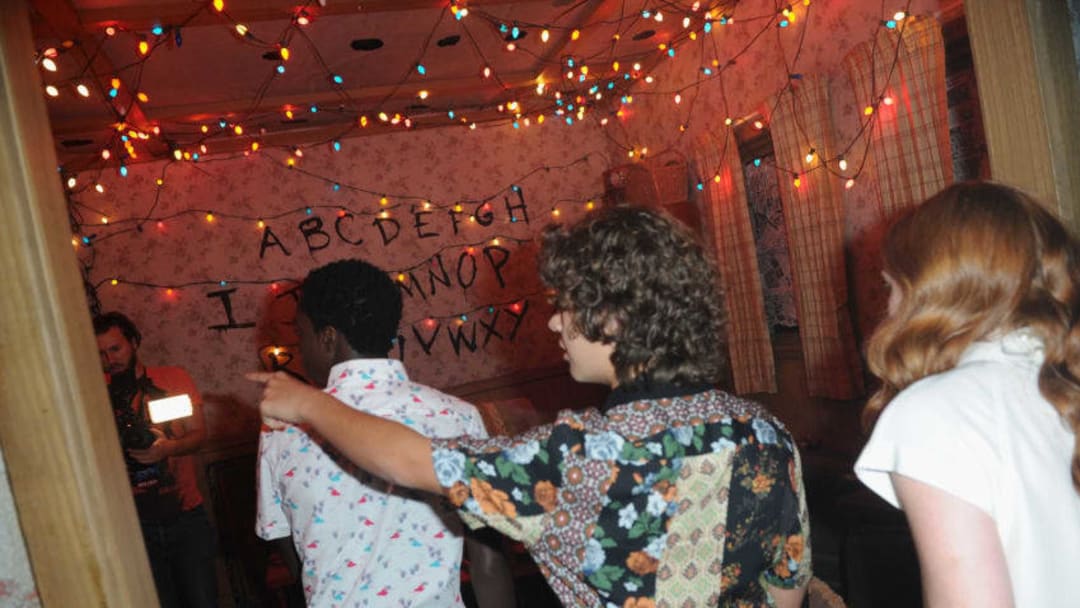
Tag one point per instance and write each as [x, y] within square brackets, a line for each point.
[169, 408]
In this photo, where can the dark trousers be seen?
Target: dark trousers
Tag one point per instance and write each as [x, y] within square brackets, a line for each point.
[182, 557]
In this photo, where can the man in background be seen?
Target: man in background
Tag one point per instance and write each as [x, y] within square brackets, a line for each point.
[361, 541]
[160, 460]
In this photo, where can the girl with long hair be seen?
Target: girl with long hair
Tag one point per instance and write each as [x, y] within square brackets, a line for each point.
[975, 424]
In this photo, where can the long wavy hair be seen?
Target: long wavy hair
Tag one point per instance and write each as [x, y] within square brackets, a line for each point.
[638, 279]
[975, 260]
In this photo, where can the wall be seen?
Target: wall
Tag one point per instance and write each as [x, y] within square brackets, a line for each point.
[217, 330]
[764, 55]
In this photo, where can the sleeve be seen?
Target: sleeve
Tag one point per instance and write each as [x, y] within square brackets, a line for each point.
[176, 381]
[767, 525]
[791, 564]
[270, 519]
[939, 431]
[508, 483]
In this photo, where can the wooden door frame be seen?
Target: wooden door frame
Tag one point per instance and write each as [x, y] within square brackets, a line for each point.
[59, 441]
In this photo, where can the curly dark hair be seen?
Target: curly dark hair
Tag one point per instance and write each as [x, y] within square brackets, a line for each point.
[106, 321]
[356, 298]
[638, 279]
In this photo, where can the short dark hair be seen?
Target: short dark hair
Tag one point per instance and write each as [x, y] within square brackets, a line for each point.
[106, 321]
[639, 279]
[356, 298]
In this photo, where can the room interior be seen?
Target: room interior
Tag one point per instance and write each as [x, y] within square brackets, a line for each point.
[200, 157]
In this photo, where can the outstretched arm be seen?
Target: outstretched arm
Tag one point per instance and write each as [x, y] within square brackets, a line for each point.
[960, 554]
[384, 448]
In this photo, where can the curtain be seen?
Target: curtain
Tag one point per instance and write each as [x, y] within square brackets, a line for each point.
[727, 227]
[813, 210]
[910, 156]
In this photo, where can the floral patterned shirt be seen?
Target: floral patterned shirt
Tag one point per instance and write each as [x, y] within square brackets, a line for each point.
[693, 500]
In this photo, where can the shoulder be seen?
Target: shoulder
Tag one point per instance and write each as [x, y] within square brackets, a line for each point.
[456, 416]
[167, 371]
[171, 376]
[969, 395]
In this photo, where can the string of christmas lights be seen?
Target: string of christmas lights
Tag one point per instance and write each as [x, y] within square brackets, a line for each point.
[386, 203]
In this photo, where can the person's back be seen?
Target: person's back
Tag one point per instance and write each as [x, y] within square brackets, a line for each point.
[976, 415]
[674, 493]
[996, 442]
[689, 497]
[361, 541]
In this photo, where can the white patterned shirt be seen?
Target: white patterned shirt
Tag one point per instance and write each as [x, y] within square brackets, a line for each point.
[361, 541]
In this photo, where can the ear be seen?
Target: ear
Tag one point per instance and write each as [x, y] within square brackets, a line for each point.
[328, 338]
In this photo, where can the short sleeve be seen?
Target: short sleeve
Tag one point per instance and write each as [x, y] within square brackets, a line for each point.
[270, 519]
[508, 483]
[792, 564]
[939, 431]
[767, 519]
[178, 381]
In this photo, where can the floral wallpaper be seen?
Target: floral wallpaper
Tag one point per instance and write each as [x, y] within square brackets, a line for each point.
[474, 307]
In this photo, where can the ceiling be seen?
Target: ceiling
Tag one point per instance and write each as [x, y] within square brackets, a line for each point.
[210, 88]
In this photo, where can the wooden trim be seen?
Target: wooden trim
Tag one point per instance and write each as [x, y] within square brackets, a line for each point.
[1028, 87]
[67, 476]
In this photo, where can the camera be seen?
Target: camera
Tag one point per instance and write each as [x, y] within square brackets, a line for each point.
[134, 431]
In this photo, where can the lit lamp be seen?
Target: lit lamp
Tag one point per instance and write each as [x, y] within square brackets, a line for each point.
[275, 357]
[169, 408]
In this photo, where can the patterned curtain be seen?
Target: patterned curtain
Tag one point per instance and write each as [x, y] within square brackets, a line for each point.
[727, 226]
[901, 73]
[814, 212]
